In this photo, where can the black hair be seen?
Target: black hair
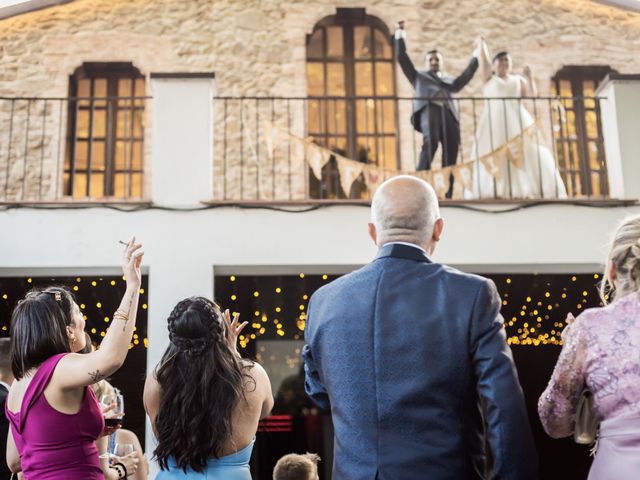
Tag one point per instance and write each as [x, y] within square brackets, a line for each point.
[500, 55]
[201, 382]
[38, 328]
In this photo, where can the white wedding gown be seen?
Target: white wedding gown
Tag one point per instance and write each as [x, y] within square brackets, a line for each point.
[504, 120]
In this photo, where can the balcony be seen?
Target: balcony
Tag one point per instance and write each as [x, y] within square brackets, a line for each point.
[305, 150]
[72, 150]
[337, 149]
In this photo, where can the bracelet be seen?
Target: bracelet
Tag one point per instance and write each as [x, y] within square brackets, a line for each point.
[121, 315]
[123, 473]
[118, 471]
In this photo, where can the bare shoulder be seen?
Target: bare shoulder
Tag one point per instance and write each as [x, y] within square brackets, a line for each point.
[255, 370]
[258, 374]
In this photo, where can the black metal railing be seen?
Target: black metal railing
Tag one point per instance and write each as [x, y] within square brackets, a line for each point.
[512, 148]
[72, 149]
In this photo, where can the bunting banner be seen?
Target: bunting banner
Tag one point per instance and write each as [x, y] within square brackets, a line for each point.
[317, 157]
[463, 175]
[494, 162]
[515, 150]
[441, 181]
[373, 177]
[490, 165]
[349, 171]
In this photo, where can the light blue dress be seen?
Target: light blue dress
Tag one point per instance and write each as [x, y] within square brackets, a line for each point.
[229, 467]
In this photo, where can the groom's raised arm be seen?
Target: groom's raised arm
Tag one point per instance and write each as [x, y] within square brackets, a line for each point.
[508, 429]
[403, 58]
[465, 77]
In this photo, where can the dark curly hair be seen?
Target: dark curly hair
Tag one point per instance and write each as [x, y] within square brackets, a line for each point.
[201, 381]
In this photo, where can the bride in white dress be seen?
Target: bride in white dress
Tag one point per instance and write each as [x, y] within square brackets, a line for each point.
[534, 175]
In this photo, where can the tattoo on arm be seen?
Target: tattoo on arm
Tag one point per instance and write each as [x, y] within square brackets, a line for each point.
[96, 376]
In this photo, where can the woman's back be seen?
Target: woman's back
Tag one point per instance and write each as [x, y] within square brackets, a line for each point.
[54, 445]
[612, 357]
[204, 401]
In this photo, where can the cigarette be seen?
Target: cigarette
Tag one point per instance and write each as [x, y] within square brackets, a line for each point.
[123, 243]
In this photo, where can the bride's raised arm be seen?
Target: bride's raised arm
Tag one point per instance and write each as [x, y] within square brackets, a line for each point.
[486, 72]
[528, 84]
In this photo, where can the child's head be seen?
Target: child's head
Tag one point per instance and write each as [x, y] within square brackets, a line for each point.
[297, 467]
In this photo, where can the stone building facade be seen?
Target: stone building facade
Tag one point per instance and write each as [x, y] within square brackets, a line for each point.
[258, 48]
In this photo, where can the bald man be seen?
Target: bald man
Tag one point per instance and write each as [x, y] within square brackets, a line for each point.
[405, 351]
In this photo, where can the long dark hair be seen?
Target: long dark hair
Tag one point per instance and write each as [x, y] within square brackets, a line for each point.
[38, 328]
[201, 382]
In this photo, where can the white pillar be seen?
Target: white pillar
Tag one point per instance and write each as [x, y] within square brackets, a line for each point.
[182, 138]
[621, 130]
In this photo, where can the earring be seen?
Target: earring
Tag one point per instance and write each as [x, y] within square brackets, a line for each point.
[73, 340]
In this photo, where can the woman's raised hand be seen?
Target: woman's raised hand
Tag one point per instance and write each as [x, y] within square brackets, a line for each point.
[131, 262]
[233, 329]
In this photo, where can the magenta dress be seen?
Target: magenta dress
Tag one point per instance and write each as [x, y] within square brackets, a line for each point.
[602, 352]
[55, 445]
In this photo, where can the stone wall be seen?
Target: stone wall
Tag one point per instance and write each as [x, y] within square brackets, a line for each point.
[258, 48]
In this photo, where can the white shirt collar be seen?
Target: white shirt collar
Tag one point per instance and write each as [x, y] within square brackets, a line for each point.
[408, 245]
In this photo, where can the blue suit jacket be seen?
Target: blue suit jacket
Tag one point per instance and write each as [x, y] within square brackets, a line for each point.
[404, 351]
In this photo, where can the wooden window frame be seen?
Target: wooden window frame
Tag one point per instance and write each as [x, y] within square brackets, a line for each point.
[112, 72]
[576, 75]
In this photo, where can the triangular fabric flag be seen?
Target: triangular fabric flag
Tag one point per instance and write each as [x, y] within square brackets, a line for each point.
[317, 158]
[463, 174]
[349, 171]
[515, 151]
[440, 181]
[489, 162]
[373, 177]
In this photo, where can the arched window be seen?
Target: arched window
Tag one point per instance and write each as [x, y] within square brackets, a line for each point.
[105, 135]
[351, 87]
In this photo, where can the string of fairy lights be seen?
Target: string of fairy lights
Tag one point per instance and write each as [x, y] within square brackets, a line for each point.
[534, 307]
[97, 297]
[280, 311]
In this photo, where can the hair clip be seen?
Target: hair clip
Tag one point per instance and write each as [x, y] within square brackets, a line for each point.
[58, 296]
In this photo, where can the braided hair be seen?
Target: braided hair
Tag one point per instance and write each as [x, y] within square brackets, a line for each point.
[201, 381]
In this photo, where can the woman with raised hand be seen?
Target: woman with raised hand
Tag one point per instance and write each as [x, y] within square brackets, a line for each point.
[204, 400]
[601, 353]
[54, 415]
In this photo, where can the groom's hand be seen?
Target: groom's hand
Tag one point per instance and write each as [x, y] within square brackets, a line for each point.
[400, 33]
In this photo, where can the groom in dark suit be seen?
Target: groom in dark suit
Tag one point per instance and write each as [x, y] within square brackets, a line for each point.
[410, 356]
[434, 112]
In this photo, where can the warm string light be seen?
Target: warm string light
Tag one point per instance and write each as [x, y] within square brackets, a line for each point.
[535, 310]
[96, 299]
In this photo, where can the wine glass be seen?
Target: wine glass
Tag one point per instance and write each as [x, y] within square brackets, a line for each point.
[113, 407]
[122, 449]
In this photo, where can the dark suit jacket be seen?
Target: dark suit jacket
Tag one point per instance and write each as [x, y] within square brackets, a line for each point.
[403, 351]
[5, 473]
[428, 84]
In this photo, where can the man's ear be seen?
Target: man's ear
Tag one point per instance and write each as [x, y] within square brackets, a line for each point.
[437, 230]
[372, 233]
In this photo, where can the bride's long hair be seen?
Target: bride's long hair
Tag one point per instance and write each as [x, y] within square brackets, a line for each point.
[202, 381]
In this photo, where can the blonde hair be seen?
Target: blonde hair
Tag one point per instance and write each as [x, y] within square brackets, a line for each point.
[624, 255]
[102, 388]
[297, 467]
